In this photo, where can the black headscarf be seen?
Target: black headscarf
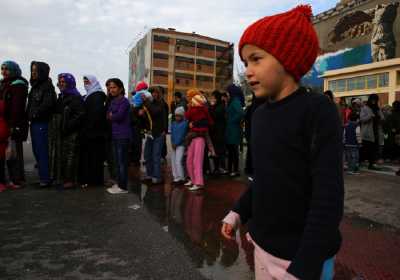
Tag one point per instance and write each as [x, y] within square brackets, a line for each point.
[43, 72]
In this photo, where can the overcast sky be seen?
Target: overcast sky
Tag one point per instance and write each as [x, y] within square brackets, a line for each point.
[92, 36]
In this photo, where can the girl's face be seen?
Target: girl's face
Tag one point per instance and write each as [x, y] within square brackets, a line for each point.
[35, 73]
[265, 74]
[5, 72]
[178, 118]
[213, 100]
[114, 90]
[62, 85]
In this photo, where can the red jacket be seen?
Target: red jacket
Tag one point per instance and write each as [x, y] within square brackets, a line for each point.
[200, 118]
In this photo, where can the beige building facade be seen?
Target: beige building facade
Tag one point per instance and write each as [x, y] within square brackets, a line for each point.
[178, 61]
[382, 78]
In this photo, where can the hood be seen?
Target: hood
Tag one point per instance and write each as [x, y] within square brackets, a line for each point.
[43, 72]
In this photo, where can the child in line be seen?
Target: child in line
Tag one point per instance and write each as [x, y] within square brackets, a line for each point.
[119, 116]
[179, 129]
[351, 142]
[199, 120]
[294, 206]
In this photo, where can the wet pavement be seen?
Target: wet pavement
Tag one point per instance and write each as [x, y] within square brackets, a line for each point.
[165, 232]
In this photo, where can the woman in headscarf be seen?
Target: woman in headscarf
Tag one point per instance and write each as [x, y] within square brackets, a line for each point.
[41, 101]
[234, 135]
[64, 131]
[13, 94]
[93, 134]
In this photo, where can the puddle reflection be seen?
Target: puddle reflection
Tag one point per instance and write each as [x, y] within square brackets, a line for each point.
[194, 219]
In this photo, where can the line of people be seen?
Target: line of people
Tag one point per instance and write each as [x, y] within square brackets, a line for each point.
[73, 135]
[371, 133]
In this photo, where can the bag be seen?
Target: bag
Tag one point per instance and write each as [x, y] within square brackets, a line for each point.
[11, 150]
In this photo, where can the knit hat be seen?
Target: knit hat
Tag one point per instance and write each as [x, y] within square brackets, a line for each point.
[290, 37]
[191, 93]
[180, 111]
[141, 86]
[198, 100]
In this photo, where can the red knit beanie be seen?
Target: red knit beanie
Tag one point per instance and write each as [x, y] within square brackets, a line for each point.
[141, 86]
[290, 37]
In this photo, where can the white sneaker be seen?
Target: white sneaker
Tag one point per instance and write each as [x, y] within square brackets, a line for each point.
[189, 183]
[116, 190]
[195, 188]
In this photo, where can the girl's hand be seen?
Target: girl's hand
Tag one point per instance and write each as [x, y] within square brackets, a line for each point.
[227, 231]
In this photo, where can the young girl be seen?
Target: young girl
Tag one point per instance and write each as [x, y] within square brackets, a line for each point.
[294, 206]
[178, 132]
[199, 121]
[119, 116]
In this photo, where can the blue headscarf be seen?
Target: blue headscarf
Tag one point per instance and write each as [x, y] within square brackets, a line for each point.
[13, 67]
[71, 84]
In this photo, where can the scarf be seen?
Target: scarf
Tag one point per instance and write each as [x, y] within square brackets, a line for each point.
[93, 87]
[71, 85]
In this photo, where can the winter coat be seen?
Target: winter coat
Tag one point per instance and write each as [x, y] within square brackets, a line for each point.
[367, 126]
[94, 124]
[42, 96]
[200, 118]
[178, 132]
[72, 112]
[235, 116]
[159, 122]
[15, 93]
[217, 131]
[121, 118]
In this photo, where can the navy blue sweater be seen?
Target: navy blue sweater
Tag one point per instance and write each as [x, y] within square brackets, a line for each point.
[294, 206]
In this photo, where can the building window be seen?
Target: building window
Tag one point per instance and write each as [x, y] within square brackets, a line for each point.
[351, 84]
[158, 38]
[360, 82]
[384, 79]
[372, 81]
[341, 85]
[332, 85]
[205, 46]
[160, 73]
[160, 56]
[398, 77]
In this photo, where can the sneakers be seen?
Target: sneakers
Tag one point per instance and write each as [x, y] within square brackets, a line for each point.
[115, 189]
[2, 188]
[234, 174]
[188, 183]
[223, 171]
[195, 188]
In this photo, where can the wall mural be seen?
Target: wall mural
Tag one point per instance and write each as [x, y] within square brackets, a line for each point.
[377, 23]
[340, 59]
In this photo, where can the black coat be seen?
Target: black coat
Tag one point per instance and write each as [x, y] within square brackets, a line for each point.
[94, 124]
[42, 96]
[217, 131]
[72, 110]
